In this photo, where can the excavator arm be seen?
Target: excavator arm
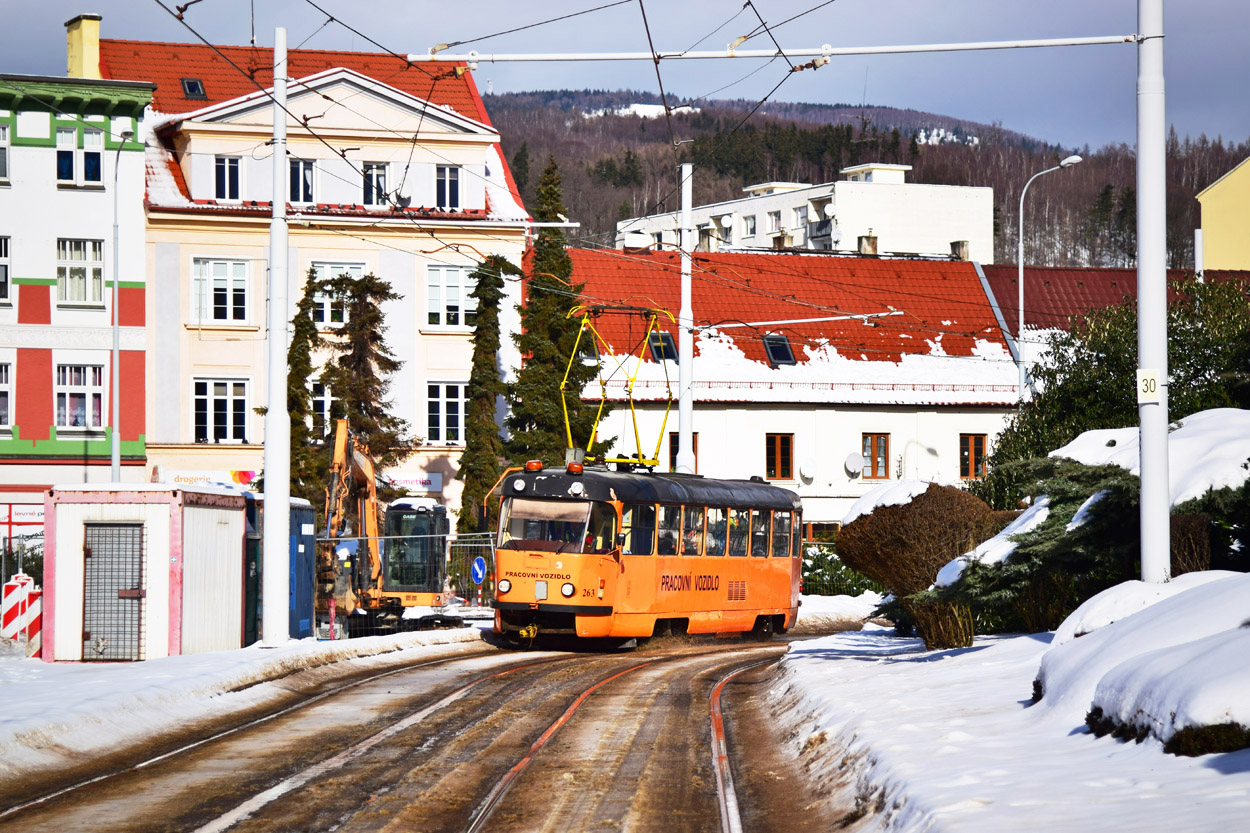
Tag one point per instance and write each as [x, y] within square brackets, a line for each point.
[352, 473]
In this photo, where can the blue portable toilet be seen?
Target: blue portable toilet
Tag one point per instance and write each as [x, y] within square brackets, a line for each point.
[303, 561]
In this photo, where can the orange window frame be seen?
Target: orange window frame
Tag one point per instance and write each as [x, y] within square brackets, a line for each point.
[876, 456]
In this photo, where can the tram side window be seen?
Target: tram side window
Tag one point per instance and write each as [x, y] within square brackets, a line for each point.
[670, 530]
[601, 535]
[716, 525]
[796, 536]
[638, 525]
[759, 533]
[739, 526]
[692, 531]
[781, 534]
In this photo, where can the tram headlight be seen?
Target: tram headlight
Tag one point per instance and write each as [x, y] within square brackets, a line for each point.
[504, 585]
[567, 589]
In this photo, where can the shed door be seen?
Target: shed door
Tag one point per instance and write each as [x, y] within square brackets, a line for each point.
[113, 592]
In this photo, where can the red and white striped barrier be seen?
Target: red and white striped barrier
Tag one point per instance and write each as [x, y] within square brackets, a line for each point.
[21, 612]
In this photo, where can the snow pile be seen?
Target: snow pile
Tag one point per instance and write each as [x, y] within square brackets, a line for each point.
[1115, 603]
[1070, 674]
[830, 613]
[893, 493]
[1207, 450]
[1000, 547]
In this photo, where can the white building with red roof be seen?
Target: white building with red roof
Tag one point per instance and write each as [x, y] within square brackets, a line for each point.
[395, 170]
[828, 375]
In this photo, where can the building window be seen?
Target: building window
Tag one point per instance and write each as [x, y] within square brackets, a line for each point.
[302, 180]
[748, 226]
[4, 270]
[193, 88]
[92, 156]
[778, 349]
[79, 396]
[331, 310]
[800, 216]
[450, 304]
[876, 456]
[779, 456]
[971, 456]
[4, 151]
[5, 394]
[220, 410]
[66, 145]
[375, 183]
[774, 221]
[322, 408]
[674, 446]
[227, 177]
[447, 187]
[219, 291]
[445, 407]
[662, 346]
[80, 271]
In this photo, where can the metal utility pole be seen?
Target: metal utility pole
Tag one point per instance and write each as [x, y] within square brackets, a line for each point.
[685, 335]
[277, 528]
[1152, 336]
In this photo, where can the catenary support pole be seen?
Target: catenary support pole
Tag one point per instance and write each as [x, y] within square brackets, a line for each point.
[1152, 336]
[685, 334]
[277, 528]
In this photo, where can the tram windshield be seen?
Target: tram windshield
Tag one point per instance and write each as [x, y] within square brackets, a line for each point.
[557, 525]
[413, 563]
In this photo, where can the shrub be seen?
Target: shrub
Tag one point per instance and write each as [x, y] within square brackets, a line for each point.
[824, 574]
[1191, 544]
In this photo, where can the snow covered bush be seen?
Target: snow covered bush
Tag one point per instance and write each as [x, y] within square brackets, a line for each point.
[824, 574]
[904, 546]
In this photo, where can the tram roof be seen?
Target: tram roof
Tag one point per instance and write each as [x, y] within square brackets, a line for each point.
[652, 487]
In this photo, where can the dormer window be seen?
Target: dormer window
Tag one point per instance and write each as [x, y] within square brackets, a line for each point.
[662, 346]
[193, 88]
[778, 349]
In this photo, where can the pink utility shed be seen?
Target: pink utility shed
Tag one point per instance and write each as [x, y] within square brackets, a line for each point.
[137, 571]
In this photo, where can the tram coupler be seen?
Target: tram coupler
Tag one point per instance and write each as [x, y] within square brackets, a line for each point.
[528, 632]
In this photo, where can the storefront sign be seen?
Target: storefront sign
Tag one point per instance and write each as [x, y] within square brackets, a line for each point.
[417, 483]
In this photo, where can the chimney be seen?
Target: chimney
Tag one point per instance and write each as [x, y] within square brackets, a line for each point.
[868, 244]
[82, 35]
[636, 242]
[959, 250]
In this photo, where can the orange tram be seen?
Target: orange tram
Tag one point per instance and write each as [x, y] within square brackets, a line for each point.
[597, 553]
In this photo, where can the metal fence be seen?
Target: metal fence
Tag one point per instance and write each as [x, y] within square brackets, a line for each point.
[462, 551]
[825, 575]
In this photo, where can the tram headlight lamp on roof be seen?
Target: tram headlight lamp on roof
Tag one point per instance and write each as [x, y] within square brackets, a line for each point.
[576, 488]
[518, 485]
[567, 590]
[504, 585]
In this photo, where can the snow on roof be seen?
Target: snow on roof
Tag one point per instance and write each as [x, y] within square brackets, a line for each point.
[1207, 450]
[200, 488]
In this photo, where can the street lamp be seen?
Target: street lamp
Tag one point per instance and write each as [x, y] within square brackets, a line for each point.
[115, 373]
[1066, 163]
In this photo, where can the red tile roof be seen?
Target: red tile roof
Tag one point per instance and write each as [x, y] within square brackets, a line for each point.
[932, 301]
[167, 64]
[1054, 294]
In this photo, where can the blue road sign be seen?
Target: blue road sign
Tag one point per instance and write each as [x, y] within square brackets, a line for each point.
[479, 570]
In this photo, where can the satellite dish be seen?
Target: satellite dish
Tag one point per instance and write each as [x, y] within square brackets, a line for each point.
[829, 210]
[807, 470]
[727, 221]
[854, 463]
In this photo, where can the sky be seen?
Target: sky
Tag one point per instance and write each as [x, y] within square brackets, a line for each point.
[1072, 96]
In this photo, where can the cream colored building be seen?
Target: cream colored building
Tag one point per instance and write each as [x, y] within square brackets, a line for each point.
[1226, 220]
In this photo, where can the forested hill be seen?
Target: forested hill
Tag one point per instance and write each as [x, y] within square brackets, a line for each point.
[622, 165]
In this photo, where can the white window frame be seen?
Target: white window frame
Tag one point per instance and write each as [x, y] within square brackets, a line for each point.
[92, 265]
[748, 225]
[218, 183]
[203, 310]
[774, 222]
[67, 143]
[5, 284]
[4, 153]
[800, 217]
[6, 395]
[325, 302]
[236, 419]
[308, 194]
[72, 380]
[447, 187]
[321, 400]
[93, 147]
[374, 189]
[441, 298]
[440, 411]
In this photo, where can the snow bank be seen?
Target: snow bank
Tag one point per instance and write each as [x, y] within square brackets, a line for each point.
[1208, 450]
[996, 549]
[1115, 603]
[1201, 683]
[828, 613]
[1070, 673]
[894, 493]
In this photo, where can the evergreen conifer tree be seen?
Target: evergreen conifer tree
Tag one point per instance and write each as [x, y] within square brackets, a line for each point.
[358, 375]
[536, 423]
[309, 463]
[480, 464]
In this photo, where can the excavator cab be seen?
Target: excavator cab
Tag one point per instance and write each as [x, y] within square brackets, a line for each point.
[414, 537]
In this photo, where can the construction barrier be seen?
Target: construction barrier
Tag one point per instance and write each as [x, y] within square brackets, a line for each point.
[21, 612]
